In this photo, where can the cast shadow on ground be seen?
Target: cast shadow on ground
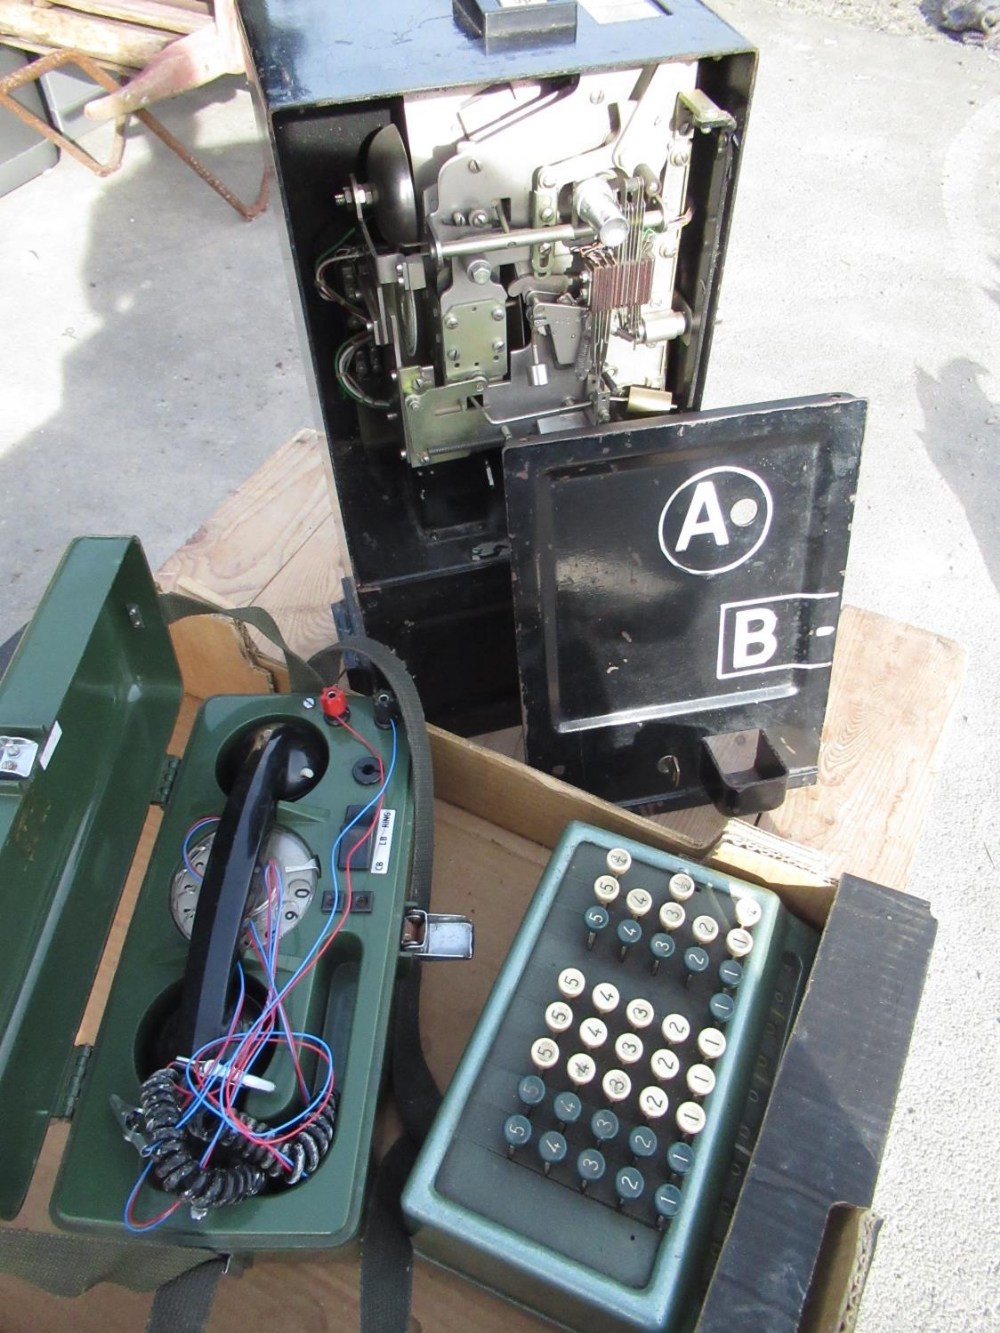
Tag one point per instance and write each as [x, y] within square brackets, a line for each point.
[962, 435]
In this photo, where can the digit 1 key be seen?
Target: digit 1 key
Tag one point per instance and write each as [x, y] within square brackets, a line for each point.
[667, 1202]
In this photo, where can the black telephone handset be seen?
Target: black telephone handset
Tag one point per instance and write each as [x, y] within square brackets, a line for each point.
[280, 761]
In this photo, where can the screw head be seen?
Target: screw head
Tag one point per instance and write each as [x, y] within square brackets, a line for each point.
[681, 155]
[479, 272]
[597, 96]
[498, 345]
[309, 703]
[453, 353]
[451, 322]
[479, 218]
[474, 165]
[547, 214]
[546, 180]
[412, 403]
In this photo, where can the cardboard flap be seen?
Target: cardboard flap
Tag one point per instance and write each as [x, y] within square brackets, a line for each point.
[87, 705]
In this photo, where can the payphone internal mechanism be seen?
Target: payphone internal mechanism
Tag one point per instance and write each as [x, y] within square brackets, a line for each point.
[510, 267]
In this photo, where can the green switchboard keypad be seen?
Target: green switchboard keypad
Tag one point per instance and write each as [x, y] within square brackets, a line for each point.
[591, 1144]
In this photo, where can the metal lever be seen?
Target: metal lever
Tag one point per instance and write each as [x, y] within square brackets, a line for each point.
[430, 935]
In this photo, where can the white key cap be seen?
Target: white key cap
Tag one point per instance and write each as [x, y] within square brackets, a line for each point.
[664, 1064]
[739, 942]
[619, 861]
[640, 1014]
[593, 1033]
[571, 982]
[672, 916]
[653, 1103]
[675, 1029]
[605, 997]
[700, 1080]
[690, 1118]
[748, 912]
[705, 929]
[628, 1048]
[558, 1017]
[711, 1043]
[581, 1069]
[544, 1053]
[616, 1084]
[639, 902]
[606, 889]
[681, 886]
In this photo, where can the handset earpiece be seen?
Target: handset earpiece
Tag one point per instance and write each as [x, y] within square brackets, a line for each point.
[279, 761]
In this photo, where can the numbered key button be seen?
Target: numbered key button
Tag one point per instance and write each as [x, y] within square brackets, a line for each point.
[721, 1007]
[690, 1118]
[676, 1029]
[605, 997]
[680, 1158]
[640, 1014]
[618, 861]
[629, 1185]
[571, 983]
[639, 902]
[581, 1069]
[705, 929]
[552, 1149]
[711, 1043]
[730, 973]
[593, 1033]
[629, 934]
[531, 1091]
[700, 1080]
[567, 1108]
[653, 1103]
[642, 1143]
[595, 919]
[544, 1053]
[748, 912]
[739, 942]
[516, 1132]
[681, 887]
[696, 961]
[604, 1126]
[672, 917]
[558, 1017]
[628, 1048]
[667, 1202]
[590, 1167]
[665, 1065]
[606, 889]
[616, 1085]
[661, 947]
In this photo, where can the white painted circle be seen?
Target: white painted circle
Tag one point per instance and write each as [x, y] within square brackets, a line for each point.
[755, 493]
[744, 511]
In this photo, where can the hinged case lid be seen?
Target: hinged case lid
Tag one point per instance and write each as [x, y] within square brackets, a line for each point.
[87, 706]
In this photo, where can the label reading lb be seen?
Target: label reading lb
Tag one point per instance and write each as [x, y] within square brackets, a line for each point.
[383, 843]
[716, 520]
[775, 633]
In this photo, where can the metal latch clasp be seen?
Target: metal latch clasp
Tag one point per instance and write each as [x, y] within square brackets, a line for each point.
[433, 935]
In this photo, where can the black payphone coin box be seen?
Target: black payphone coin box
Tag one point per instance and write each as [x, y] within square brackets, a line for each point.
[87, 708]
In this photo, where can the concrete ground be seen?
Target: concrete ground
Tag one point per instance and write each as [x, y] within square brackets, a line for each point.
[150, 363]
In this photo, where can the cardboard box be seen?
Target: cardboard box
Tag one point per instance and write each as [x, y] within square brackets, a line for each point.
[803, 1232]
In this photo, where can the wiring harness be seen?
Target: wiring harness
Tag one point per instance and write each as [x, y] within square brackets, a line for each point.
[197, 1141]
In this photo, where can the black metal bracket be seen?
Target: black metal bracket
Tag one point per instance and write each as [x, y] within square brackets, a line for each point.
[525, 23]
[743, 773]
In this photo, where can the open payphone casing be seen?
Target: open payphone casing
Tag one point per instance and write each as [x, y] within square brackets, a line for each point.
[485, 345]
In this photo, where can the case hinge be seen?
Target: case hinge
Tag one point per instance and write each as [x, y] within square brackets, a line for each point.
[69, 1093]
[165, 782]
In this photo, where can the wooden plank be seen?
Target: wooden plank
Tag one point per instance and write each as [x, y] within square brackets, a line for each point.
[122, 43]
[302, 592]
[147, 13]
[254, 534]
[892, 691]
